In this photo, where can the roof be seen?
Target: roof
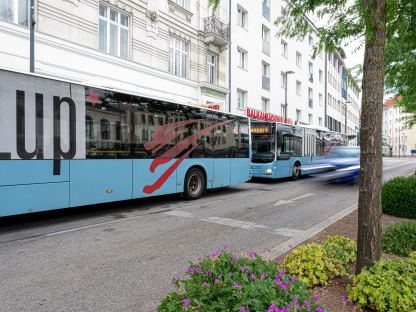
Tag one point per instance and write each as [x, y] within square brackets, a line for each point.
[392, 101]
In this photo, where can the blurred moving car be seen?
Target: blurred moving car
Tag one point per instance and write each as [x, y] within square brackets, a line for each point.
[342, 165]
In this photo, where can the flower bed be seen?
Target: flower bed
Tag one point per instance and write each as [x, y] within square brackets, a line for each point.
[224, 282]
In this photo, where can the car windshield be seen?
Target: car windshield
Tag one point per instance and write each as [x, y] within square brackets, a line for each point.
[344, 152]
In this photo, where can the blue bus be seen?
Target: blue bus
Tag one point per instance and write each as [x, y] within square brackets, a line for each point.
[282, 150]
[63, 144]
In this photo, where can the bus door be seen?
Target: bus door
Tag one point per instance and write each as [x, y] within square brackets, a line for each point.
[309, 145]
[284, 150]
[223, 137]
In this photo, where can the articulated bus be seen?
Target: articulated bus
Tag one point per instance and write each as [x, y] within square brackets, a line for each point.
[63, 144]
[280, 150]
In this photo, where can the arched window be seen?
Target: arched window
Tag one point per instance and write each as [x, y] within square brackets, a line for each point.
[105, 129]
[89, 128]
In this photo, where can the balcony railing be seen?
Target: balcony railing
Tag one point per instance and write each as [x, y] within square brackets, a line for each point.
[266, 47]
[216, 32]
[265, 83]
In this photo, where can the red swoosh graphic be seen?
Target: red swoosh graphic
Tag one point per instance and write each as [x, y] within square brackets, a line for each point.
[149, 189]
[182, 145]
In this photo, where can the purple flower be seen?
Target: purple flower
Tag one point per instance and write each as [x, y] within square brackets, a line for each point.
[254, 277]
[235, 284]
[315, 298]
[198, 270]
[220, 275]
[191, 271]
[354, 308]
[284, 285]
[186, 303]
[293, 279]
[216, 281]
[205, 284]
[319, 309]
[251, 254]
[277, 280]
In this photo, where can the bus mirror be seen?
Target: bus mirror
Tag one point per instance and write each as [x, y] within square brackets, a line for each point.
[279, 138]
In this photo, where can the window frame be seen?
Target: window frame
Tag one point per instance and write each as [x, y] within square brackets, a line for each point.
[242, 17]
[212, 75]
[242, 58]
[183, 51]
[244, 98]
[284, 47]
[108, 21]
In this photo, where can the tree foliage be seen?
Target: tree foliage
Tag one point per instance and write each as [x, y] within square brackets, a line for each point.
[400, 57]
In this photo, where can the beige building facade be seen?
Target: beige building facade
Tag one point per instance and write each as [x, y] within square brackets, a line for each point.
[175, 50]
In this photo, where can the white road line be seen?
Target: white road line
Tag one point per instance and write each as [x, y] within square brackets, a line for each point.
[296, 240]
[217, 220]
[291, 201]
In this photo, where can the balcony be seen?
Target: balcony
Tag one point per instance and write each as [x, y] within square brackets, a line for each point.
[265, 83]
[216, 32]
[266, 47]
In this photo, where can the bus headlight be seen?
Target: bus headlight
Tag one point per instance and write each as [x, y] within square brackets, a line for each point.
[268, 171]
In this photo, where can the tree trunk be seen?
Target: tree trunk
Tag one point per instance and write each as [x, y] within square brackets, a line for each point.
[369, 202]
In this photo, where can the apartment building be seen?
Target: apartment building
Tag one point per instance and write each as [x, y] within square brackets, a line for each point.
[353, 113]
[175, 50]
[398, 138]
[272, 74]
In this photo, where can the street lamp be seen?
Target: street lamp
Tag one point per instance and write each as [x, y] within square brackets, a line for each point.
[285, 77]
[399, 130]
[346, 117]
[32, 23]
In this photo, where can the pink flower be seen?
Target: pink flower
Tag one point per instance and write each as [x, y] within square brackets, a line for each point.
[216, 281]
[205, 284]
[186, 303]
[254, 277]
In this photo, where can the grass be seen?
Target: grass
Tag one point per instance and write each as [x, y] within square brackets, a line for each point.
[400, 239]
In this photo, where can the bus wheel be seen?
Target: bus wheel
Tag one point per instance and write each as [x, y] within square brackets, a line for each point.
[296, 172]
[194, 184]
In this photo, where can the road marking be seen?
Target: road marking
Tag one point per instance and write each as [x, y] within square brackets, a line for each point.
[291, 201]
[302, 237]
[245, 225]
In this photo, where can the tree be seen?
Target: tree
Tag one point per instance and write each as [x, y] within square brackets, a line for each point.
[346, 20]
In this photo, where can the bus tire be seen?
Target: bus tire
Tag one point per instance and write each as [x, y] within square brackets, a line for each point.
[296, 172]
[195, 184]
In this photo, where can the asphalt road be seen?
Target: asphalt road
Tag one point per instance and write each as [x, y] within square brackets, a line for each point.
[122, 257]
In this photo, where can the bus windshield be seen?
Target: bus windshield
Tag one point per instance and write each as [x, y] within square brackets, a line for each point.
[263, 143]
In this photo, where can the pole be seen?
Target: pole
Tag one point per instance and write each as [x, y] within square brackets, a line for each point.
[32, 35]
[399, 130]
[285, 97]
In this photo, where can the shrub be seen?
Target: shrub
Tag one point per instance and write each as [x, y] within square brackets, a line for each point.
[398, 197]
[316, 264]
[224, 282]
[400, 238]
[387, 286]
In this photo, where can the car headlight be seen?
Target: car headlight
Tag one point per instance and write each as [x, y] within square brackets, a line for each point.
[268, 171]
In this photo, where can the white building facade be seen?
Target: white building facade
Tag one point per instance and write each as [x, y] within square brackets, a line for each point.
[175, 50]
[264, 65]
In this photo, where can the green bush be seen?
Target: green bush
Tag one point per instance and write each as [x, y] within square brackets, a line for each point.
[316, 264]
[400, 238]
[224, 282]
[398, 197]
[387, 286]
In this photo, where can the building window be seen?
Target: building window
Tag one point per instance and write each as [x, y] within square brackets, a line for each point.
[298, 116]
[283, 45]
[178, 57]
[320, 121]
[310, 98]
[242, 58]
[105, 129]
[310, 41]
[265, 105]
[212, 67]
[89, 128]
[298, 87]
[298, 59]
[114, 32]
[265, 69]
[15, 11]
[310, 117]
[310, 66]
[265, 34]
[183, 3]
[320, 75]
[242, 18]
[320, 99]
[283, 80]
[241, 98]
